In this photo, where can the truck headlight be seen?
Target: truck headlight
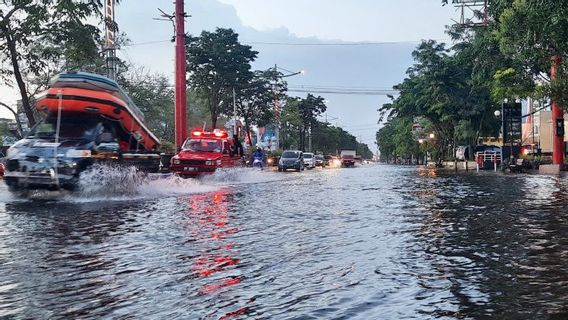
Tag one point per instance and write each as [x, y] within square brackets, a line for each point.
[209, 163]
[176, 161]
[219, 162]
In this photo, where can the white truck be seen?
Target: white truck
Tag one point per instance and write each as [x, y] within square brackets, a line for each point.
[348, 158]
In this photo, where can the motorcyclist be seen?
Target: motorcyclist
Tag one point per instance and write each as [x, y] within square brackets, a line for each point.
[258, 154]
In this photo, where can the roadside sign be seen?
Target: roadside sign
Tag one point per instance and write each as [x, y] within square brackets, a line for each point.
[512, 122]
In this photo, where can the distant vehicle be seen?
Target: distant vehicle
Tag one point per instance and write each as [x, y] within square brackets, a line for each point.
[348, 158]
[320, 160]
[309, 160]
[332, 161]
[291, 159]
[327, 160]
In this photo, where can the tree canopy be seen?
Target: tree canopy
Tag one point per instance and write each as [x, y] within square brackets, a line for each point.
[39, 37]
[217, 65]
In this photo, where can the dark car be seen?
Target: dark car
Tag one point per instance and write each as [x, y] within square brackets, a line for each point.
[320, 161]
[327, 160]
[291, 159]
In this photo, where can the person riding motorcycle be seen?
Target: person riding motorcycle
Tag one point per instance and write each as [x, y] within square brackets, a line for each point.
[258, 155]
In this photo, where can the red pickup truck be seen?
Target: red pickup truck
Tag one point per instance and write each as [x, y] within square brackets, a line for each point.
[205, 152]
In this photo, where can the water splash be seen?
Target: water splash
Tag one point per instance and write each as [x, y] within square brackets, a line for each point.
[107, 182]
[119, 183]
[235, 176]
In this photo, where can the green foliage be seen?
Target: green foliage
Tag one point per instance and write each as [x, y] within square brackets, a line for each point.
[395, 139]
[532, 32]
[44, 37]
[217, 64]
[309, 109]
[153, 94]
[291, 124]
[255, 101]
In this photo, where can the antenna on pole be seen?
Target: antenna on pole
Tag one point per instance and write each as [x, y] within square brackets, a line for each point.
[110, 39]
[473, 13]
[178, 21]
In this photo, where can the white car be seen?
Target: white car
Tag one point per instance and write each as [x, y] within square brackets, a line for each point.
[309, 160]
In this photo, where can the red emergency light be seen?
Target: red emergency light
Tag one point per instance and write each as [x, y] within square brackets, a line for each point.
[216, 134]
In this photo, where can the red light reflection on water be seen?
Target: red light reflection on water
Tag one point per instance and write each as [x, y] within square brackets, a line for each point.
[212, 228]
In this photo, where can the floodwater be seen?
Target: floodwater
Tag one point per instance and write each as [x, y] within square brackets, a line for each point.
[373, 242]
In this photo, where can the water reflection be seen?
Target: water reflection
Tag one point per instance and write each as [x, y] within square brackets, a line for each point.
[216, 261]
[489, 247]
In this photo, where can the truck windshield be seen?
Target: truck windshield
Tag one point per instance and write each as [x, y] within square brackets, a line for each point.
[203, 145]
[77, 128]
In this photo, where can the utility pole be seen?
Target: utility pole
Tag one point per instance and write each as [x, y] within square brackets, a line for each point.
[310, 139]
[276, 108]
[110, 39]
[180, 75]
[557, 119]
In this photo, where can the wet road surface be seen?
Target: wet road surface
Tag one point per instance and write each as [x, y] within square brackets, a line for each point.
[373, 242]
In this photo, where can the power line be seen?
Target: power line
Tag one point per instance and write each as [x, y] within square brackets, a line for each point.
[361, 43]
[345, 92]
[315, 86]
[145, 43]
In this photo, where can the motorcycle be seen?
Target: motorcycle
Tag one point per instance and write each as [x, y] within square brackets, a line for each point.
[258, 162]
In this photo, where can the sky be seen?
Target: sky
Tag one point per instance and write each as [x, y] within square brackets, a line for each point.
[310, 35]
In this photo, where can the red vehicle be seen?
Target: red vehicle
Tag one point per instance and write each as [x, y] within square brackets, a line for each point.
[204, 152]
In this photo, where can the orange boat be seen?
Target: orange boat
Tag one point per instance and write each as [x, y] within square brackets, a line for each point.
[88, 119]
[98, 102]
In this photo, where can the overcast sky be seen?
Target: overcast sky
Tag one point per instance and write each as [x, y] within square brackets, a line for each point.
[299, 21]
[349, 20]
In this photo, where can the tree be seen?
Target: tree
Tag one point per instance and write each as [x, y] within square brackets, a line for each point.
[154, 95]
[254, 102]
[37, 34]
[217, 64]
[291, 124]
[309, 108]
[532, 32]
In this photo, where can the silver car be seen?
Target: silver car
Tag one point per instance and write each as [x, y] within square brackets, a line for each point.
[309, 160]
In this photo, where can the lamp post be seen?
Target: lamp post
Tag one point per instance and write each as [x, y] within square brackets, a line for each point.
[424, 142]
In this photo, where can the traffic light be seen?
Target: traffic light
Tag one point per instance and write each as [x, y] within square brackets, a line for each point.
[560, 127]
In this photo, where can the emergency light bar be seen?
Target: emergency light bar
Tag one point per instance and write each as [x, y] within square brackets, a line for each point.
[216, 133]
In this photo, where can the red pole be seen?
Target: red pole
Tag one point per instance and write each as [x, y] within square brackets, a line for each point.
[180, 81]
[557, 116]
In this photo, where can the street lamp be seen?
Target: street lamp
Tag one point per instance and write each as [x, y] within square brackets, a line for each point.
[432, 136]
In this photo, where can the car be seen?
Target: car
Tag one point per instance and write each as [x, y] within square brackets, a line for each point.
[291, 159]
[320, 160]
[309, 160]
[327, 160]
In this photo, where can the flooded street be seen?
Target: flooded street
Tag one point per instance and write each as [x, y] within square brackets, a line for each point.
[373, 242]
